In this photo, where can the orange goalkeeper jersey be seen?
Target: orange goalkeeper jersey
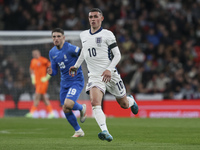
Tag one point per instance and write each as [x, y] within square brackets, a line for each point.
[39, 66]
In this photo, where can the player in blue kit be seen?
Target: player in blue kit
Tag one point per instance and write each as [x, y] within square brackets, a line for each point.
[64, 55]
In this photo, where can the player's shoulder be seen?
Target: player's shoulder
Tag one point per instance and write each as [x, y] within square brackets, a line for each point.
[70, 46]
[43, 58]
[107, 32]
[67, 44]
[33, 60]
[85, 32]
[52, 49]
[103, 32]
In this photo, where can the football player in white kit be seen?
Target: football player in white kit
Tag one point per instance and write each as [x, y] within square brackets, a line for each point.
[101, 53]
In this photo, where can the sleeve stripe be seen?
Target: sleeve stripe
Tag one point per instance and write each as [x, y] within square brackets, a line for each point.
[79, 52]
[112, 45]
[76, 50]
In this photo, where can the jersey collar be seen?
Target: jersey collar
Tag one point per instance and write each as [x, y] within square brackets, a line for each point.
[96, 31]
[65, 44]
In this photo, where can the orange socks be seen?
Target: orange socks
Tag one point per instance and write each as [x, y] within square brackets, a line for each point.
[49, 108]
[33, 109]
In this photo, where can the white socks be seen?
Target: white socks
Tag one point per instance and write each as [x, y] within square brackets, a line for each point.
[131, 101]
[100, 117]
[80, 130]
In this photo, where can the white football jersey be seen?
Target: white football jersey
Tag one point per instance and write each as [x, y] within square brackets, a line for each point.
[96, 51]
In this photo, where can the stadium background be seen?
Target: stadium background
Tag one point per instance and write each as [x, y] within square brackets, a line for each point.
[158, 40]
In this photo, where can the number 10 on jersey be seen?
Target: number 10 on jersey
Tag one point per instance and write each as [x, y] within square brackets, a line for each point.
[92, 52]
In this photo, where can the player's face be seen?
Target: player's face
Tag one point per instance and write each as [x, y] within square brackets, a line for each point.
[58, 39]
[95, 19]
[35, 54]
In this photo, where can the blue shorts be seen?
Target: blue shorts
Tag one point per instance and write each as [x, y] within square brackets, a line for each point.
[72, 92]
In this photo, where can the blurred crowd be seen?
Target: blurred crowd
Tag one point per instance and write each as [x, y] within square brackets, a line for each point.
[14, 80]
[158, 39]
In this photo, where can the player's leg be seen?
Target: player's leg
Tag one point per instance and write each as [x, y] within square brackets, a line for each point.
[68, 105]
[49, 108]
[67, 108]
[82, 109]
[127, 102]
[117, 88]
[96, 96]
[134, 107]
[73, 122]
[73, 94]
[35, 103]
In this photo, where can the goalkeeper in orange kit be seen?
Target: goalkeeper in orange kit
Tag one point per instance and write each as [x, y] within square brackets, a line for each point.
[39, 78]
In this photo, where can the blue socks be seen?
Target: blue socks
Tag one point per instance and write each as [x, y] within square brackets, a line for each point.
[72, 120]
[77, 106]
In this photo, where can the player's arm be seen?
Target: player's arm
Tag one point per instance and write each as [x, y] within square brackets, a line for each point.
[32, 76]
[31, 71]
[53, 69]
[117, 56]
[75, 51]
[49, 70]
[46, 78]
[73, 69]
[47, 64]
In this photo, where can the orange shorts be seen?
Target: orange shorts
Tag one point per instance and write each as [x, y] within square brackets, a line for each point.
[41, 88]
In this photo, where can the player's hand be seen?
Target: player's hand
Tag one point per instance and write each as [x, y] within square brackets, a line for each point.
[72, 71]
[49, 70]
[106, 76]
[46, 78]
[33, 79]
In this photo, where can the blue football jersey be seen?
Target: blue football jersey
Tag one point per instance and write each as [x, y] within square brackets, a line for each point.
[65, 58]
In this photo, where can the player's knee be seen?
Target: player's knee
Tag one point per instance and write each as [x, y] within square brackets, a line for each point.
[66, 110]
[68, 104]
[95, 101]
[124, 105]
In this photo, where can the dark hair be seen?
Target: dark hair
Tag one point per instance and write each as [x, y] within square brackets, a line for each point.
[58, 30]
[96, 10]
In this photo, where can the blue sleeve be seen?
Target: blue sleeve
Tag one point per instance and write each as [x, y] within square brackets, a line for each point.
[74, 50]
[53, 65]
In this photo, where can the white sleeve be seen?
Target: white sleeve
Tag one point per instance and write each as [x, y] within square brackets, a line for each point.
[116, 58]
[80, 60]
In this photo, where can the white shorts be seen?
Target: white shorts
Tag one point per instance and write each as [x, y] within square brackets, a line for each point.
[115, 86]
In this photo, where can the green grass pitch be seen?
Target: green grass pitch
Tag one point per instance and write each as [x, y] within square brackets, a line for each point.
[129, 134]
